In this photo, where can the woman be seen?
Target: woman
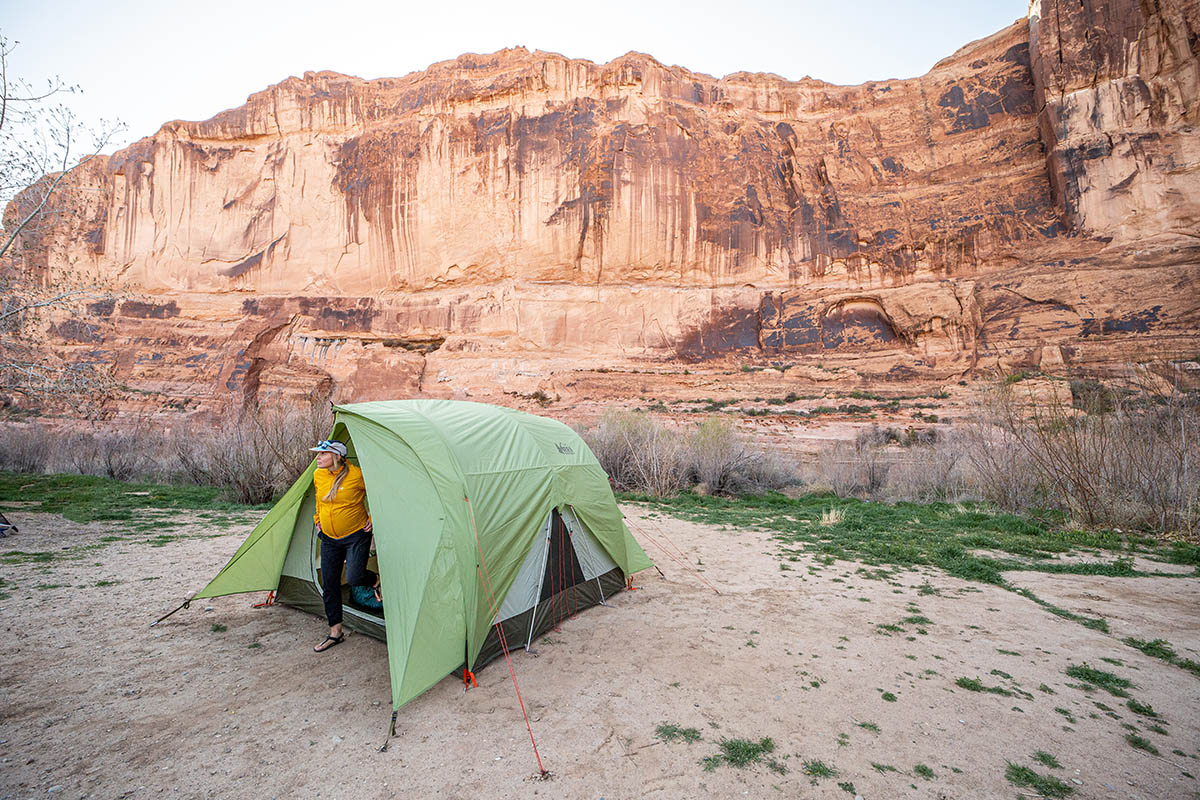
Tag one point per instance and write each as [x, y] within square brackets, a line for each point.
[344, 529]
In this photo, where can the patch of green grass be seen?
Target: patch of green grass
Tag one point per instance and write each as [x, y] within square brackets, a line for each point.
[87, 498]
[1156, 728]
[23, 557]
[923, 771]
[1045, 785]
[1044, 758]
[1067, 714]
[819, 769]
[218, 628]
[1113, 684]
[1095, 623]
[740, 752]
[1141, 743]
[102, 584]
[847, 787]
[1007, 652]
[1145, 709]
[1161, 649]
[870, 726]
[42, 587]
[976, 685]
[1044, 688]
[883, 769]
[669, 732]
[888, 697]
[912, 535]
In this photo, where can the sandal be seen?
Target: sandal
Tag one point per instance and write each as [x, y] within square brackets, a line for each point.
[330, 642]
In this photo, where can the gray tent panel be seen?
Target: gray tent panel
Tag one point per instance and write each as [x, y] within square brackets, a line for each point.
[523, 593]
[592, 558]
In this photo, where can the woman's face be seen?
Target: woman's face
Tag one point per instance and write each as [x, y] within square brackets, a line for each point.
[325, 460]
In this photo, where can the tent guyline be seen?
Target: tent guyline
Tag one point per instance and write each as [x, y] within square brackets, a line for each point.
[677, 559]
[487, 583]
[491, 526]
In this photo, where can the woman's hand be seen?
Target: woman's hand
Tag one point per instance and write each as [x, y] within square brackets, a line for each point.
[367, 527]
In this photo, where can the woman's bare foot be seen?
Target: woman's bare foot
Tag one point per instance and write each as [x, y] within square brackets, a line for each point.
[334, 638]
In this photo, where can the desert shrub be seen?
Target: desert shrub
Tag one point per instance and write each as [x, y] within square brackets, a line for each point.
[855, 469]
[890, 464]
[255, 455]
[1108, 458]
[638, 452]
[25, 448]
[725, 462]
[122, 451]
[643, 454]
[932, 470]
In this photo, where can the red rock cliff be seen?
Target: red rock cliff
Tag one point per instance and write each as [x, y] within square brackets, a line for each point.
[507, 222]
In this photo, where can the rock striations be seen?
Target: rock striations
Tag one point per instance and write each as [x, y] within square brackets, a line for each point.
[523, 222]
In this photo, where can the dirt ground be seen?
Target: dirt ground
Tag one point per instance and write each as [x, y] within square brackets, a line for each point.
[96, 703]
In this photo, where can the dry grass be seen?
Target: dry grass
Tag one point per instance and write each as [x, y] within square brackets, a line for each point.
[253, 457]
[1118, 456]
[257, 456]
[643, 454]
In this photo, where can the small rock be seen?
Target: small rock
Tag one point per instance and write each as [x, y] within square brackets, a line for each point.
[209, 608]
[54, 790]
[1076, 781]
[336, 739]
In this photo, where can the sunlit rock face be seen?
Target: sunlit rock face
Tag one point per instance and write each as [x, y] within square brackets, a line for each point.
[511, 223]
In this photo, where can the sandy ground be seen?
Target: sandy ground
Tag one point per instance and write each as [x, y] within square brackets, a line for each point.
[95, 703]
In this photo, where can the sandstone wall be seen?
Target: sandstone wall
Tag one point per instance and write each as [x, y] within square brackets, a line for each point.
[496, 221]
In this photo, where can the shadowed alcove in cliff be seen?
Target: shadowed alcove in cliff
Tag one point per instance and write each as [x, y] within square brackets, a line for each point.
[857, 322]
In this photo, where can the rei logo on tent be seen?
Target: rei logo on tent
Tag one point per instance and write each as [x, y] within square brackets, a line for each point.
[563, 448]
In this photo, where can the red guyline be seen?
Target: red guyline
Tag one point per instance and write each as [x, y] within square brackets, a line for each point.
[487, 584]
[672, 556]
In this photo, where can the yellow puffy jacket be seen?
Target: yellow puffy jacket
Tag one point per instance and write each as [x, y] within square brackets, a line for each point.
[345, 513]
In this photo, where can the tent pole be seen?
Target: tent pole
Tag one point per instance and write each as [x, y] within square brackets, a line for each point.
[541, 579]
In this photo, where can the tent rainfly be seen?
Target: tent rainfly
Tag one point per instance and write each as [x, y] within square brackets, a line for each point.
[484, 518]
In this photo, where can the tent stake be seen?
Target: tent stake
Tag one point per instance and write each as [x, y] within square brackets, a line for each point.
[186, 603]
[391, 732]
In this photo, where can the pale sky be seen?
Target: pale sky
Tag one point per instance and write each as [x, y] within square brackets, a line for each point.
[148, 62]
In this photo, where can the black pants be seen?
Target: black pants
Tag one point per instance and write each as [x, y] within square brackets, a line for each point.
[352, 551]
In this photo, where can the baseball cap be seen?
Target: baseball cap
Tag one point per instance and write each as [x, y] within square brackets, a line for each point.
[330, 446]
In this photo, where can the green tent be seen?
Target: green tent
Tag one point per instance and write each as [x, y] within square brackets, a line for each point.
[485, 518]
